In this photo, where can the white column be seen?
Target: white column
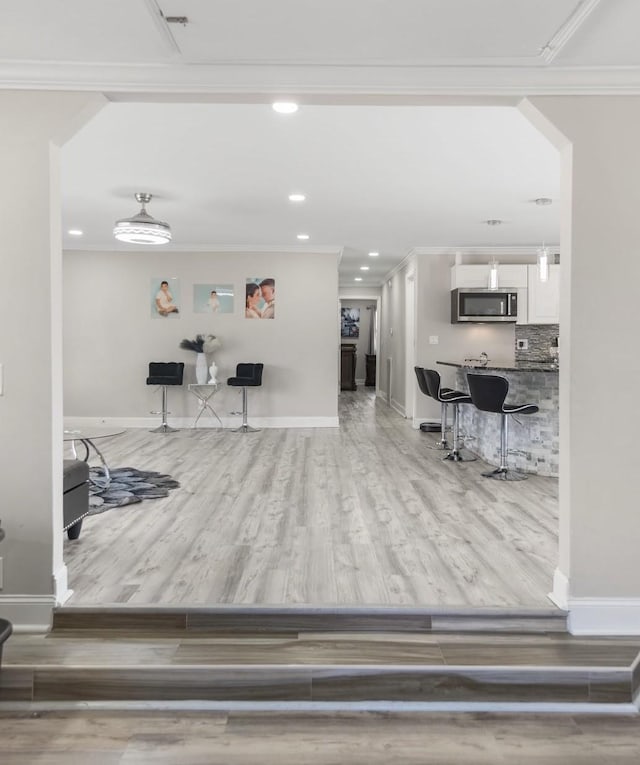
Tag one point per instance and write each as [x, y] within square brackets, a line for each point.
[33, 125]
[599, 357]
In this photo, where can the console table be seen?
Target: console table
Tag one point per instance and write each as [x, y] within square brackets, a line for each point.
[204, 392]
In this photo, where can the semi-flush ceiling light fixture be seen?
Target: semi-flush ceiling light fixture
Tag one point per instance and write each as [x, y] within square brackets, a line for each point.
[142, 228]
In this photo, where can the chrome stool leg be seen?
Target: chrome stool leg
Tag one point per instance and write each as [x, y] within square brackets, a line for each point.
[442, 444]
[503, 473]
[457, 454]
[245, 427]
[164, 427]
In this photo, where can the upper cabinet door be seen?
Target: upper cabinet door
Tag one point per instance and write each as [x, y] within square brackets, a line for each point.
[477, 276]
[544, 297]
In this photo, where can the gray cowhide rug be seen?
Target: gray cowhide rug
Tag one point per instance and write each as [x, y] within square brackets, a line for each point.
[128, 486]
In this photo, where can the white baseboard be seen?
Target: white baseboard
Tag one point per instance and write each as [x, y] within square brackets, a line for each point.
[62, 593]
[28, 613]
[560, 593]
[203, 422]
[396, 406]
[604, 616]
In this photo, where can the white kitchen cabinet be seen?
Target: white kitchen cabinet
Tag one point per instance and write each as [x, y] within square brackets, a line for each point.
[544, 297]
[510, 276]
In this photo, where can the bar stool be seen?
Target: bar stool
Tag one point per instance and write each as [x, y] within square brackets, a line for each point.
[164, 373]
[247, 376]
[488, 393]
[446, 397]
[424, 387]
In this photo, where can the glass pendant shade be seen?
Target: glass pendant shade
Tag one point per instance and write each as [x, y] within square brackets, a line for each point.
[493, 274]
[142, 228]
[543, 264]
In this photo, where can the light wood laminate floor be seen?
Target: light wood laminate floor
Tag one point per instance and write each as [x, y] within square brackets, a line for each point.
[197, 738]
[364, 514]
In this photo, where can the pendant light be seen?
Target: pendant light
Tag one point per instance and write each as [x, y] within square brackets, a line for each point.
[543, 264]
[493, 274]
[493, 263]
[142, 228]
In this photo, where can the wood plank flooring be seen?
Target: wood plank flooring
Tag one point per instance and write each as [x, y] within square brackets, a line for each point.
[361, 515]
[279, 738]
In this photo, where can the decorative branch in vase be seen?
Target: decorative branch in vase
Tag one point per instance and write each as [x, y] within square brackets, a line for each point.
[203, 345]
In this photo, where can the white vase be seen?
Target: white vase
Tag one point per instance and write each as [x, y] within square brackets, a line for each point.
[202, 371]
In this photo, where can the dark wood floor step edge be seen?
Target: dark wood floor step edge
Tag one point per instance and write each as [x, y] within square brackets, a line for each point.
[292, 620]
[293, 683]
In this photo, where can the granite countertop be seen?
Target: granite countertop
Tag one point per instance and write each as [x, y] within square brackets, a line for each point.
[515, 366]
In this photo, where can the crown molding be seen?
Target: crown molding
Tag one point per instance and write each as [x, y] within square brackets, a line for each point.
[307, 82]
[214, 250]
[531, 249]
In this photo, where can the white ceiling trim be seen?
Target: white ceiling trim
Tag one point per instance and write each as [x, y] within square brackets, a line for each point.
[504, 249]
[568, 29]
[215, 249]
[321, 80]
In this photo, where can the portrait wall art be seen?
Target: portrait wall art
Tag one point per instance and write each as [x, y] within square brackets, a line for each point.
[260, 298]
[213, 298]
[165, 298]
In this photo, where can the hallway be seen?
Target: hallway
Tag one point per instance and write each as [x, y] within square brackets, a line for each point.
[365, 514]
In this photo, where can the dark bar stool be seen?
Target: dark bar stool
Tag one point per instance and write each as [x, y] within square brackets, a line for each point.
[447, 396]
[247, 376]
[424, 387]
[488, 393]
[164, 373]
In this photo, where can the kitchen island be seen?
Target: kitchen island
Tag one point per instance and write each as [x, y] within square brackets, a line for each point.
[533, 438]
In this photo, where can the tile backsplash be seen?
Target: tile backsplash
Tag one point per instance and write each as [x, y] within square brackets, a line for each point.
[540, 337]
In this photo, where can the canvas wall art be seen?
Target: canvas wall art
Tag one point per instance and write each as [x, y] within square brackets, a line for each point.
[165, 298]
[260, 298]
[213, 298]
[350, 322]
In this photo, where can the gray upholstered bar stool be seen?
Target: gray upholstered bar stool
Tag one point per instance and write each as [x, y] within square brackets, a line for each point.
[488, 393]
[448, 397]
[424, 387]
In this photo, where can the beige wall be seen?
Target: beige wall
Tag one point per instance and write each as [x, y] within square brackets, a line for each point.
[455, 341]
[32, 126]
[110, 337]
[600, 521]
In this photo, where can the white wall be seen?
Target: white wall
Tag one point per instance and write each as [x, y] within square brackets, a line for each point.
[455, 341]
[393, 338]
[599, 498]
[110, 337]
[32, 127]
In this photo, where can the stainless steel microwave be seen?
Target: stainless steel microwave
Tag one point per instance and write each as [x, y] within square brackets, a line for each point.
[471, 304]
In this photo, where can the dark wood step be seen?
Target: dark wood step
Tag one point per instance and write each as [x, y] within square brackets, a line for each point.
[294, 620]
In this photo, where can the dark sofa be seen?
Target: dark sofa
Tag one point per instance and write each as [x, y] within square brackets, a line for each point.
[75, 497]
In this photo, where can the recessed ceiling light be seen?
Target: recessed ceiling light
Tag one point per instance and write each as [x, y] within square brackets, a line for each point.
[358, 279]
[493, 222]
[297, 197]
[303, 236]
[373, 254]
[543, 201]
[364, 268]
[75, 232]
[285, 107]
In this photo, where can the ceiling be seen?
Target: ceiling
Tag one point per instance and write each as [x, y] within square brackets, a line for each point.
[383, 179]
[378, 176]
